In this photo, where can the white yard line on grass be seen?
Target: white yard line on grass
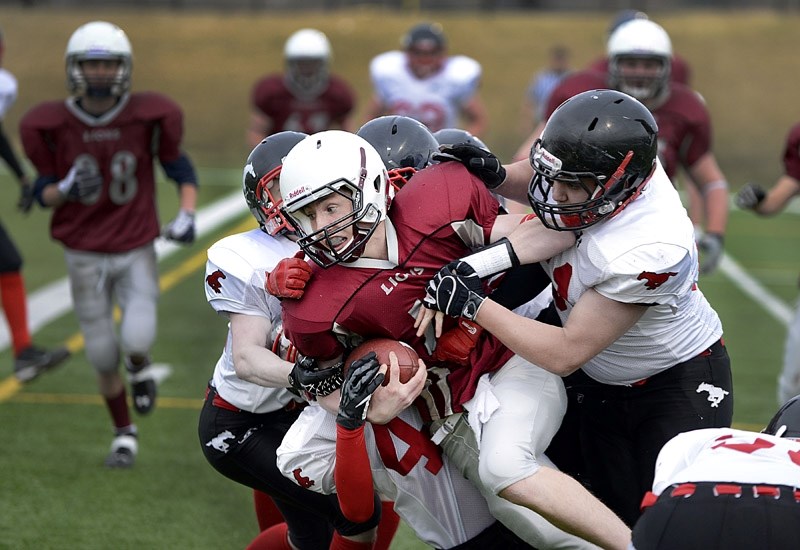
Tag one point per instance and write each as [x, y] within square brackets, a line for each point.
[53, 300]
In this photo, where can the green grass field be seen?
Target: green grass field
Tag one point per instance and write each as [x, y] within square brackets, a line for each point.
[54, 491]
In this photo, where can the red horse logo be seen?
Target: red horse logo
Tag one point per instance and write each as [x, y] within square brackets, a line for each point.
[215, 281]
[302, 481]
[654, 280]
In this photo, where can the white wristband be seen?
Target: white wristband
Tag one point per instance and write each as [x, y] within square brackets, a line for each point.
[493, 259]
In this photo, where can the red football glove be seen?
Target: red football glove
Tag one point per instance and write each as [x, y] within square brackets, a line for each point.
[289, 278]
[455, 345]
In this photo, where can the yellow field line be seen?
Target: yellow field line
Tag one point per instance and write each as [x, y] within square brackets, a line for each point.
[10, 386]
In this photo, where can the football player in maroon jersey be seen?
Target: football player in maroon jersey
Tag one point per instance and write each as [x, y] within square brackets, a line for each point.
[95, 154]
[640, 56]
[372, 265]
[306, 97]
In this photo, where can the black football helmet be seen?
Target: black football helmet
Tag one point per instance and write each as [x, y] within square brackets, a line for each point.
[454, 136]
[404, 144]
[602, 140]
[786, 422]
[263, 167]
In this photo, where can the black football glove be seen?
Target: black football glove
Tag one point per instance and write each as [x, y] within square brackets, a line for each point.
[360, 383]
[479, 162]
[25, 202]
[310, 380]
[750, 196]
[456, 290]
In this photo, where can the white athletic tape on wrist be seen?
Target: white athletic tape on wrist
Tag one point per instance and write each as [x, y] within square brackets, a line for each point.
[493, 259]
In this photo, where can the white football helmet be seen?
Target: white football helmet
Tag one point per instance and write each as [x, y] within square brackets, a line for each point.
[640, 38]
[98, 40]
[307, 55]
[329, 162]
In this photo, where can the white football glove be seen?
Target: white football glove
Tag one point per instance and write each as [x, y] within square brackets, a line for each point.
[181, 229]
[750, 196]
[80, 184]
[710, 245]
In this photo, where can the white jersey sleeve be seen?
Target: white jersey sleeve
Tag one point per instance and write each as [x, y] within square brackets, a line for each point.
[727, 455]
[8, 91]
[234, 283]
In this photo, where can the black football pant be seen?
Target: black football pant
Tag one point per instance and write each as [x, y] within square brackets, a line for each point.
[249, 459]
[623, 428]
[703, 521]
[10, 259]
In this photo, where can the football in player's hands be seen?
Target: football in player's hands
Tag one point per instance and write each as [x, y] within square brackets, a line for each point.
[407, 358]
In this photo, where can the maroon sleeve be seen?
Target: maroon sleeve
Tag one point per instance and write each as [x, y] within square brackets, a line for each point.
[680, 71]
[574, 84]
[697, 141]
[263, 92]
[344, 99]
[34, 128]
[169, 117]
[791, 154]
[353, 475]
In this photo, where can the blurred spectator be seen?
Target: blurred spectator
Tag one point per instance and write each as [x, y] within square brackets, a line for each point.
[768, 203]
[424, 83]
[29, 360]
[306, 97]
[542, 83]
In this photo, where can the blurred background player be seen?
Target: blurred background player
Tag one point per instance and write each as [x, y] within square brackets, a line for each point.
[425, 83]
[95, 155]
[29, 360]
[680, 71]
[306, 97]
[726, 488]
[542, 84]
[768, 203]
[640, 60]
[248, 408]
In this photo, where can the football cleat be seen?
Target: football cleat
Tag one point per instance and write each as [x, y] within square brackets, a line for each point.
[143, 386]
[123, 451]
[33, 361]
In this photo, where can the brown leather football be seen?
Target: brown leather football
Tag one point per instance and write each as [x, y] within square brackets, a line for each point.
[406, 356]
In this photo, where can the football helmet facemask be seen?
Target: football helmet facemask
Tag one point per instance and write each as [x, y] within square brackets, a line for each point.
[602, 140]
[404, 144]
[640, 39]
[98, 40]
[786, 422]
[307, 55]
[261, 172]
[339, 162]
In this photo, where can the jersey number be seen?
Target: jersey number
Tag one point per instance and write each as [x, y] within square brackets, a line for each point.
[419, 445]
[123, 185]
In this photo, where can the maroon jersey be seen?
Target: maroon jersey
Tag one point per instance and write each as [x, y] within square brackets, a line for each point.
[122, 145]
[791, 154]
[440, 215]
[684, 125]
[680, 72]
[289, 113]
